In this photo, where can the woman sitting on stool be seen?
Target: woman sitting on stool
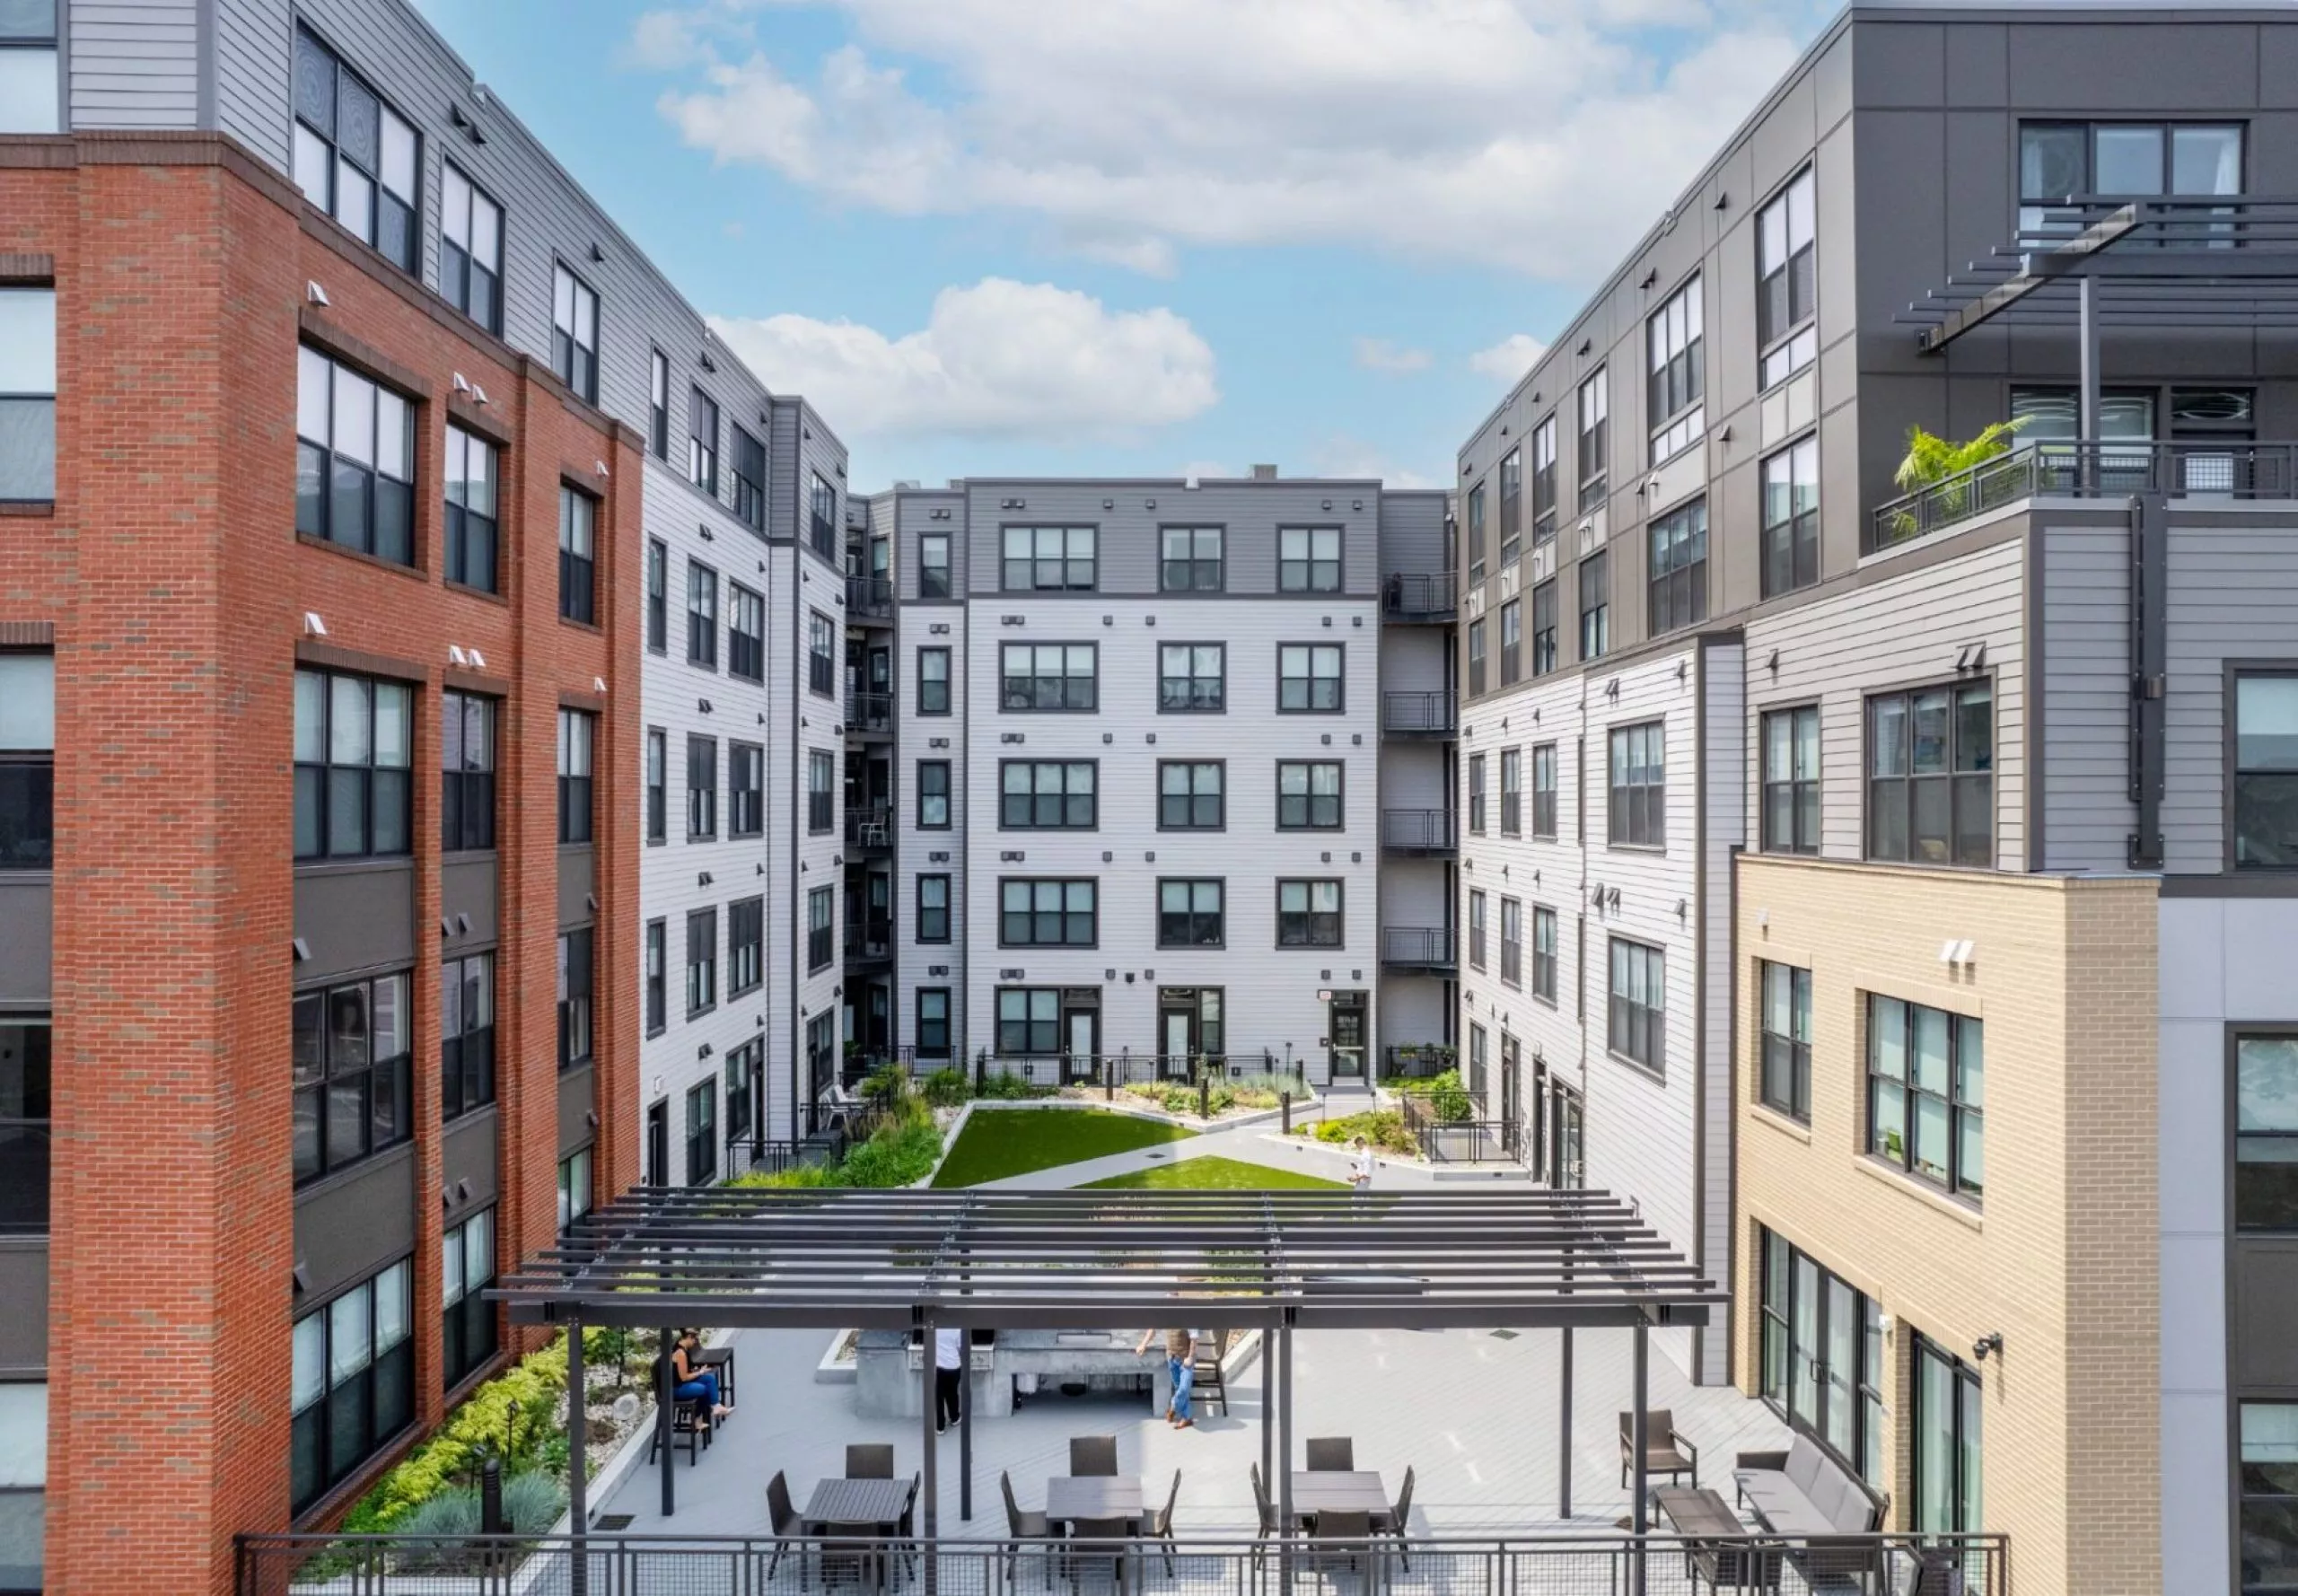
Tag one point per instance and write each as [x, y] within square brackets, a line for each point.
[688, 1382]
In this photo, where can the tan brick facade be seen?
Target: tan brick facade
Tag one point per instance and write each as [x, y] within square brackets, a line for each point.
[2059, 1256]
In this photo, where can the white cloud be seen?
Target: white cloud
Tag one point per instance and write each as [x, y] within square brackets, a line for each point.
[1379, 355]
[1510, 358]
[1537, 134]
[1000, 359]
[1206, 469]
[1344, 456]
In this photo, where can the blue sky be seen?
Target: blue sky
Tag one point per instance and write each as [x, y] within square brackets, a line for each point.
[1135, 236]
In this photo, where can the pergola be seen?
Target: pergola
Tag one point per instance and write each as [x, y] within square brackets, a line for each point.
[1489, 1258]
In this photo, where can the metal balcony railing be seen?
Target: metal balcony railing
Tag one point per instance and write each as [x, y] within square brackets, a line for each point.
[1431, 832]
[1420, 596]
[868, 711]
[1407, 713]
[1416, 1061]
[1428, 948]
[869, 597]
[870, 827]
[2201, 469]
[869, 940]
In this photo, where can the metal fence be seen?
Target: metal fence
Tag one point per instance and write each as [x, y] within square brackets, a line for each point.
[1416, 1061]
[1544, 1564]
[1466, 1139]
[1108, 1071]
[1420, 831]
[869, 595]
[1419, 596]
[1417, 947]
[2193, 469]
[1421, 713]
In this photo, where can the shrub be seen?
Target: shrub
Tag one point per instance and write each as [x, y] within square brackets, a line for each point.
[1005, 1086]
[1445, 1094]
[1272, 1087]
[533, 1500]
[902, 1150]
[453, 1511]
[1383, 1128]
[946, 1087]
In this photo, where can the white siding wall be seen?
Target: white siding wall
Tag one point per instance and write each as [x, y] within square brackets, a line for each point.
[1724, 757]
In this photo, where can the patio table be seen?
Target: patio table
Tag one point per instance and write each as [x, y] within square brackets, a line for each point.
[870, 1507]
[1072, 1497]
[1695, 1513]
[1331, 1490]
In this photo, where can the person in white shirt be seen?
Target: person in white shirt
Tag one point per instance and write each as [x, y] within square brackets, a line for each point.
[1360, 1169]
[949, 1375]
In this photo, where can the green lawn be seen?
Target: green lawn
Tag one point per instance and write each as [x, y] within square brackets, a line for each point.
[997, 1142]
[1212, 1174]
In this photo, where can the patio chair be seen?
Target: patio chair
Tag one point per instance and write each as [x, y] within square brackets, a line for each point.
[869, 1461]
[1267, 1511]
[1340, 1543]
[1117, 1548]
[788, 1529]
[1401, 1520]
[1206, 1385]
[907, 1529]
[1160, 1525]
[1021, 1526]
[1092, 1455]
[1666, 1450]
[690, 1421]
[1332, 1454]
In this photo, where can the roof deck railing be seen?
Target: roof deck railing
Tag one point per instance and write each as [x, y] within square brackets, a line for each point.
[2190, 468]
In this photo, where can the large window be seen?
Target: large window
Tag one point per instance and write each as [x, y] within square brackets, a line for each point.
[356, 158]
[1638, 1024]
[472, 537]
[1308, 914]
[702, 440]
[29, 90]
[1192, 559]
[1791, 780]
[574, 1195]
[1049, 678]
[1784, 1078]
[466, 773]
[466, 1269]
[1189, 914]
[352, 1087]
[1677, 368]
[1047, 795]
[1544, 481]
[745, 633]
[932, 908]
[574, 333]
[1308, 678]
[821, 504]
[1049, 559]
[1475, 928]
[1512, 791]
[701, 961]
[750, 479]
[1028, 1020]
[1595, 607]
[351, 1383]
[934, 565]
[1189, 795]
[26, 1072]
[1476, 794]
[1926, 1080]
[354, 461]
[702, 1132]
[1680, 568]
[701, 787]
[933, 1033]
[2265, 809]
[2268, 1491]
[1043, 913]
[1309, 794]
[470, 249]
[1475, 657]
[1595, 407]
[657, 993]
[1308, 560]
[1475, 535]
[1931, 776]
[933, 682]
[657, 785]
[353, 737]
[1544, 954]
[701, 615]
[28, 761]
[746, 789]
[822, 653]
[821, 787]
[1787, 293]
[578, 733]
[28, 371]
[578, 556]
[1190, 678]
[1544, 790]
[1512, 506]
[658, 405]
[1544, 628]
[658, 596]
[1791, 518]
[576, 976]
[2265, 1133]
[2123, 161]
[1823, 1364]
[934, 794]
[466, 1034]
[1637, 804]
[1948, 1426]
[1511, 941]
[1512, 642]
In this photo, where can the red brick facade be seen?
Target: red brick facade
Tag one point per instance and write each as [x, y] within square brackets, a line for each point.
[177, 588]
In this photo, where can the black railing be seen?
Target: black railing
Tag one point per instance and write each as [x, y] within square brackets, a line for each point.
[869, 595]
[1451, 1130]
[1428, 948]
[862, 1063]
[1107, 1072]
[871, 827]
[1419, 596]
[867, 941]
[1407, 714]
[1420, 831]
[868, 711]
[2192, 469]
[768, 1156]
[1416, 1061]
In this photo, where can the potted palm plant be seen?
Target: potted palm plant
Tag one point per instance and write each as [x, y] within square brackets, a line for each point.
[1932, 459]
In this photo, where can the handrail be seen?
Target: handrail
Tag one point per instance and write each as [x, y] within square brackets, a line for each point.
[1406, 710]
[2192, 469]
[1420, 831]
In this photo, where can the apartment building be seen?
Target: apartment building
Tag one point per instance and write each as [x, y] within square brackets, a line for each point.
[1905, 877]
[374, 513]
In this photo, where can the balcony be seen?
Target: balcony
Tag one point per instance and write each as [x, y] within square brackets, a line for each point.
[1419, 950]
[1418, 599]
[870, 828]
[869, 598]
[1420, 833]
[869, 715]
[1416, 1061]
[1435, 715]
[869, 943]
[2194, 471]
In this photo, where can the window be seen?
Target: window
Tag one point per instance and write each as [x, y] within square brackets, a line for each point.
[1926, 1080]
[657, 977]
[820, 1068]
[470, 249]
[1512, 641]
[1476, 929]
[1544, 628]
[577, 556]
[1511, 505]
[933, 682]
[1191, 562]
[466, 773]
[1637, 805]
[2126, 160]
[1638, 1022]
[2268, 1492]
[1308, 560]
[466, 1269]
[1046, 913]
[1677, 376]
[702, 440]
[701, 615]
[354, 461]
[1189, 677]
[1049, 559]
[1308, 914]
[27, 762]
[1309, 677]
[821, 788]
[744, 1092]
[702, 1132]
[933, 1033]
[574, 1188]
[352, 1087]
[351, 1382]
[821, 652]
[1791, 518]
[1544, 481]
[701, 961]
[934, 794]
[821, 499]
[574, 984]
[745, 633]
[746, 789]
[934, 565]
[1947, 1442]
[1047, 795]
[1475, 535]
[658, 405]
[933, 908]
[658, 781]
[1791, 780]
[1049, 678]
[2265, 818]
[1476, 658]
[1784, 1073]
[1930, 776]
[28, 371]
[1595, 607]
[574, 333]
[355, 158]
[1511, 941]
[2265, 1133]
[1544, 953]
[1544, 790]
[1512, 791]
[29, 91]
[1595, 415]
[1787, 289]
[1309, 794]
[1680, 568]
[658, 596]
[750, 479]
[745, 945]
[1476, 793]
[353, 740]
[472, 537]
[577, 739]
[467, 1034]
[1189, 914]
[1028, 1020]
[1823, 1366]
[1189, 795]
[701, 787]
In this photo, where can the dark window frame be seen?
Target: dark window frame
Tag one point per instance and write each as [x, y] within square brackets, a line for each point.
[469, 1328]
[1544, 625]
[1678, 567]
[658, 596]
[745, 800]
[1188, 694]
[1512, 642]
[1305, 805]
[821, 929]
[1338, 679]
[1477, 918]
[701, 439]
[1029, 694]
[1544, 792]
[472, 531]
[576, 361]
[1783, 1269]
[1033, 1027]
[1512, 506]
[393, 225]
[1475, 657]
[1544, 954]
[940, 1045]
[701, 614]
[361, 1104]
[1512, 791]
[701, 961]
[1029, 815]
[1475, 534]
[1783, 1062]
[925, 793]
[1675, 368]
[469, 730]
[1199, 928]
[1310, 926]
[460, 265]
[333, 485]
[1190, 796]
[934, 578]
[1311, 571]
[930, 703]
[821, 792]
[1476, 794]
[1198, 573]
[1076, 573]
[822, 654]
[747, 466]
[466, 1033]
[577, 987]
[1592, 412]
[658, 403]
[701, 787]
[1511, 941]
[701, 1120]
[656, 955]
[578, 556]
[1595, 619]
[1636, 1030]
[1884, 792]
[1797, 790]
[1635, 812]
[656, 776]
[932, 920]
[1031, 917]
[2245, 808]
[386, 791]
[1959, 1112]
[1787, 288]
[745, 633]
[1543, 515]
[1790, 516]
[378, 1398]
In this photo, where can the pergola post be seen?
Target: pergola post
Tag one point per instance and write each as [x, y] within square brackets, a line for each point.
[1563, 1427]
[1268, 1404]
[665, 1408]
[2086, 292]
[1639, 1439]
[965, 1426]
[929, 1514]
[578, 1482]
[1284, 1481]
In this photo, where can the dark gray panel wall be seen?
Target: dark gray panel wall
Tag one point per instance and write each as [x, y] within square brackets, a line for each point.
[2265, 1306]
[26, 926]
[26, 1349]
[471, 1159]
[1412, 532]
[470, 891]
[350, 1225]
[578, 882]
[354, 917]
[576, 1090]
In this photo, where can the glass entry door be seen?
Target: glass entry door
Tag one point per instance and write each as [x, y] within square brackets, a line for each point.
[1347, 1034]
[1081, 1036]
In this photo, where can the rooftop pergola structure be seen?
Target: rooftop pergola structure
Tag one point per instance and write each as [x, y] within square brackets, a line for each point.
[745, 1257]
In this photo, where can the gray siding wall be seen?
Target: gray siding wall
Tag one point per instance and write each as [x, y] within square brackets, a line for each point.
[1412, 532]
[133, 63]
[915, 513]
[1724, 764]
[253, 55]
[2087, 814]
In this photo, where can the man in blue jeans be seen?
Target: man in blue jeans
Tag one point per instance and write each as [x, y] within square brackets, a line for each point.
[1180, 1365]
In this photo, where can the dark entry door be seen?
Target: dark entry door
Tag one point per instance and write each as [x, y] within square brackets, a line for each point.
[1080, 1034]
[658, 1143]
[1346, 1033]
